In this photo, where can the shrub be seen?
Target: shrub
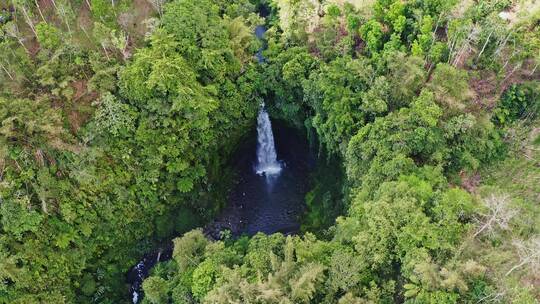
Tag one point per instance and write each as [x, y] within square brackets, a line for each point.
[520, 101]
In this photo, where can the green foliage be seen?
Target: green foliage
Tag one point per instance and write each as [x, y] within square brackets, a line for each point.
[71, 157]
[155, 290]
[204, 277]
[260, 253]
[412, 222]
[383, 149]
[346, 271]
[189, 248]
[203, 37]
[15, 66]
[451, 88]
[161, 84]
[518, 102]
[58, 69]
[473, 141]
[18, 219]
[335, 93]
[424, 40]
[105, 72]
[48, 36]
[107, 11]
[108, 144]
[289, 278]
[283, 77]
[325, 200]
[31, 124]
[113, 116]
[406, 76]
[373, 35]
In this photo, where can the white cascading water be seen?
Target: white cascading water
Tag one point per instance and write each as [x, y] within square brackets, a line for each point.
[267, 163]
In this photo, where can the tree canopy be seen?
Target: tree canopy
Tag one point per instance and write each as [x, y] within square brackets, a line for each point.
[118, 119]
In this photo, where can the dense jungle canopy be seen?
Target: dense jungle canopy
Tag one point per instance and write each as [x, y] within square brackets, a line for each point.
[118, 119]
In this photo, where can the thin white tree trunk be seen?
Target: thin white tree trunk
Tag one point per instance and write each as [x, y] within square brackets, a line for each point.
[66, 21]
[486, 225]
[466, 44]
[516, 267]
[7, 72]
[530, 254]
[106, 53]
[114, 9]
[22, 44]
[434, 33]
[503, 44]
[485, 44]
[67, 24]
[508, 60]
[40, 12]
[534, 70]
[433, 37]
[511, 72]
[85, 32]
[44, 206]
[28, 20]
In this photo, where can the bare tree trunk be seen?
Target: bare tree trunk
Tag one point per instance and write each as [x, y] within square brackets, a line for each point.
[433, 37]
[529, 253]
[125, 53]
[114, 9]
[485, 226]
[40, 12]
[62, 13]
[534, 70]
[450, 51]
[499, 214]
[106, 53]
[511, 72]
[28, 20]
[22, 44]
[54, 4]
[511, 56]
[67, 24]
[85, 32]
[7, 72]
[485, 44]
[430, 68]
[44, 206]
[434, 34]
[15, 33]
[460, 52]
[2, 168]
[501, 46]
[515, 267]
[466, 44]
[450, 46]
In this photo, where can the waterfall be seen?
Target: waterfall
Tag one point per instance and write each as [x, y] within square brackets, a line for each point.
[267, 163]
